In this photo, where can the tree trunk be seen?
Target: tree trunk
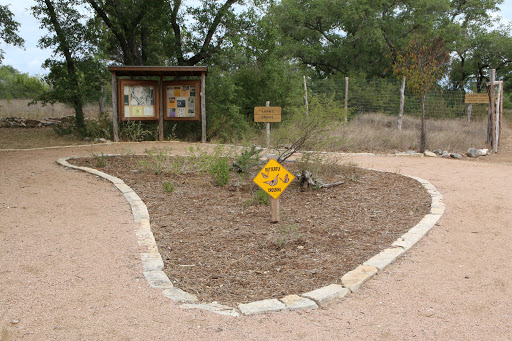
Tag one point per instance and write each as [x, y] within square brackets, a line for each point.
[70, 65]
[423, 134]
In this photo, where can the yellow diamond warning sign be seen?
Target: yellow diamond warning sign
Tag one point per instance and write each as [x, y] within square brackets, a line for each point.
[273, 178]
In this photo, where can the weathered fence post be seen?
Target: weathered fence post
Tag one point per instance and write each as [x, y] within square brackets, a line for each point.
[306, 104]
[346, 99]
[402, 104]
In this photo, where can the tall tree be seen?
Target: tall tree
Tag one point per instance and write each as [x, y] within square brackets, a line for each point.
[422, 65]
[178, 32]
[354, 36]
[61, 18]
[8, 29]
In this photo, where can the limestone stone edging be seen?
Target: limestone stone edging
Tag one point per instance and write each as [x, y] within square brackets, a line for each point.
[152, 263]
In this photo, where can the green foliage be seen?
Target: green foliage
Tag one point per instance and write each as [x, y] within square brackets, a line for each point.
[247, 159]
[168, 187]
[421, 64]
[311, 132]
[137, 131]
[218, 166]
[14, 84]
[286, 233]
[9, 29]
[100, 128]
[260, 197]
[215, 163]
[100, 160]
[157, 160]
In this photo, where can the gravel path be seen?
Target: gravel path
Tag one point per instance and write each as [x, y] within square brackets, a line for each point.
[70, 270]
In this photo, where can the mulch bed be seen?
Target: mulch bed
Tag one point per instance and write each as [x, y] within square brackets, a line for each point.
[218, 243]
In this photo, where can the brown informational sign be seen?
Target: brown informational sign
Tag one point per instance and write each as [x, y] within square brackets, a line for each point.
[182, 100]
[139, 100]
[267, 114]
[477, 98]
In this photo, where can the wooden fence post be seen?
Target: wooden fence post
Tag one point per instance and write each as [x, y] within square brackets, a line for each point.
[402, 104]
[346, 99]
[470, 108]
[491, 122]
[306, 96]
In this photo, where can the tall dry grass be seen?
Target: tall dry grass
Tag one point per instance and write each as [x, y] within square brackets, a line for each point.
[379, 133]
[20, 108]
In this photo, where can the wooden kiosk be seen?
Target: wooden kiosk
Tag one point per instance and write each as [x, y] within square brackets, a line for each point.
[150, 100]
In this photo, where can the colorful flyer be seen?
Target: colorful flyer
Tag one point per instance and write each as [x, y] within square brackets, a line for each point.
[181, 102]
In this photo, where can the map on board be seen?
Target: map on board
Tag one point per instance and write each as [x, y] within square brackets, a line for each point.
[142, 95]
[139, 101]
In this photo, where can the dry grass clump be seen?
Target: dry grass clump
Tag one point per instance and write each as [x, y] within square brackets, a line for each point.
[20, 108]
[378, 133]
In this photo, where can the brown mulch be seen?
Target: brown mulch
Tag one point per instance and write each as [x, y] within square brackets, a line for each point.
[218, 243]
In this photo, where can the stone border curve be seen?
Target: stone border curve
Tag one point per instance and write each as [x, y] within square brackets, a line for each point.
[152, 263]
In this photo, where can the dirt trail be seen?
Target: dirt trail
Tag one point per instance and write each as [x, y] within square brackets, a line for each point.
[70, 270]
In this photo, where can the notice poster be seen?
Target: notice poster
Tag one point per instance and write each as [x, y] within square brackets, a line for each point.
[139, 101]
[181, 101]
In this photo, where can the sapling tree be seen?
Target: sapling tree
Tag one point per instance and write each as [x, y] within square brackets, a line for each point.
[421, 63]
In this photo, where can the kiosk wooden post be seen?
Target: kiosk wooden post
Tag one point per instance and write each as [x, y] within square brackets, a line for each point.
[114, 108]
[161, 113]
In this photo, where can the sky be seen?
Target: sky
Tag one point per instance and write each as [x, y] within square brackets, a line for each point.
[29, 59]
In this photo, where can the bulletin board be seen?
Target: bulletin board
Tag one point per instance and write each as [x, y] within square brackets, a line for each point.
[138, 100]
[182, 100]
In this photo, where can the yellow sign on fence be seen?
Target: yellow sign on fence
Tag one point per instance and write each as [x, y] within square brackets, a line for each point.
[477, 98]
[273, 178]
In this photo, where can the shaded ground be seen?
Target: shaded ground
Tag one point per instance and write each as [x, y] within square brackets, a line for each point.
[217, 242]
[23, 138]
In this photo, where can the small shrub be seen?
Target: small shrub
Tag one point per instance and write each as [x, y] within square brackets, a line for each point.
[99, 160]
[219, 170]
[168, 187]
[261, 197]
[285, 234]
[136, 131]
[216, 163]
[157, 160]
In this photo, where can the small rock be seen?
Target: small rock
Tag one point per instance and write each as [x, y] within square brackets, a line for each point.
[445, 154]
[483, 152]
[438, 152]
[456, 156]
[102, 140]
[430, 154]
[15, 321]
[473, 152]
[87, 139]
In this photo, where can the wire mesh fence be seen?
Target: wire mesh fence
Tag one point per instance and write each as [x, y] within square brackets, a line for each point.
[383, 96]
